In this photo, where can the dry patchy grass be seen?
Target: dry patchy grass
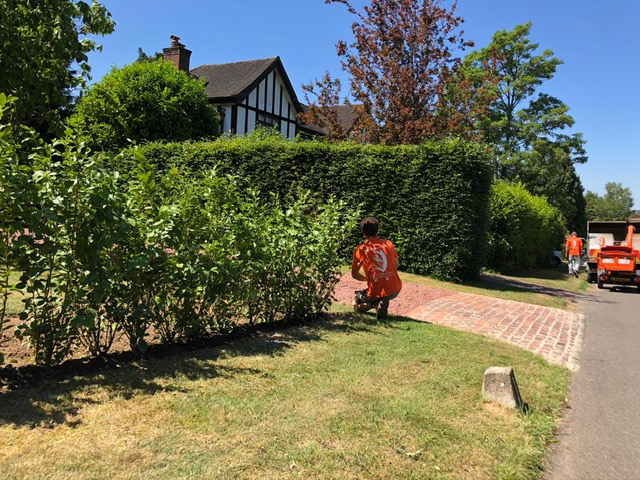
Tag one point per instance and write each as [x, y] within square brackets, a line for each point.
[348, 397]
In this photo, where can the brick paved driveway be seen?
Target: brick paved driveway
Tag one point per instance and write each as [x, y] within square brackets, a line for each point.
[550, 332]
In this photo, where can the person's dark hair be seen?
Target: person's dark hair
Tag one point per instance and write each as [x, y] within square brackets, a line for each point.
[369, 226]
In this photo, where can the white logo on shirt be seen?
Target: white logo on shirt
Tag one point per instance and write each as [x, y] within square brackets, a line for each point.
[380, 261]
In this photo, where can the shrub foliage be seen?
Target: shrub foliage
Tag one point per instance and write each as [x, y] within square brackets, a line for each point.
[152, 252]
[432, 199]
[145, 101]
[191, 238]
[524, 228]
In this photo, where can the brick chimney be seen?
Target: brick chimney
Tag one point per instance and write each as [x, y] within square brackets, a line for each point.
[177, 54]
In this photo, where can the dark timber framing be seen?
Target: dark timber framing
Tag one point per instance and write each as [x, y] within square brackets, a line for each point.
[240, 86]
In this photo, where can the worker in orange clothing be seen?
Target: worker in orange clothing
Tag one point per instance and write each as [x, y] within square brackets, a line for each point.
[379, 260]
[573, 250]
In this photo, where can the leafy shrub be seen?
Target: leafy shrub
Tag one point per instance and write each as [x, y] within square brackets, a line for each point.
[432, 199]
[68, 206]
[168, 252]
[142, 102]
[524, 228]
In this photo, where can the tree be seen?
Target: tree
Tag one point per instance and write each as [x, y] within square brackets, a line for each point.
[616, 204]
[43, 56]
[401, 64]
[143, 57]
[323, 111]
[548, 171]
[518, 118]
[527, 127]
[145, 101]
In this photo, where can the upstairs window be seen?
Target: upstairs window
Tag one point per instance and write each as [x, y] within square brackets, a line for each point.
[268, 121]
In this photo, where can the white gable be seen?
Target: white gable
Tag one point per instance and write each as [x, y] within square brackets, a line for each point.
[269, 104]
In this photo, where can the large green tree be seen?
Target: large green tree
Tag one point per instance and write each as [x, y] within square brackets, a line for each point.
[529, 127]
[145, 101]
[521, 114]
[548, 171]
[43, 55]
[616, 204]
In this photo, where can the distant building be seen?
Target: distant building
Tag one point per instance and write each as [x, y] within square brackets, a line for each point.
[247, 94]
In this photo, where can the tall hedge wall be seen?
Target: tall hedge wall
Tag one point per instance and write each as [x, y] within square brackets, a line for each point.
[432, 199]
[524, 228]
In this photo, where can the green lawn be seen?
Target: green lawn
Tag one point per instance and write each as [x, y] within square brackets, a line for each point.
[548, 287]
[14, 299]
[345, 397]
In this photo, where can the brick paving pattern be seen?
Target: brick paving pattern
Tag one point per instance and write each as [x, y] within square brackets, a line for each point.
[552, 333]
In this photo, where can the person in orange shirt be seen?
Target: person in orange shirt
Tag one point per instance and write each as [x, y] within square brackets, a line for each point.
[378, 259]
[573, 250]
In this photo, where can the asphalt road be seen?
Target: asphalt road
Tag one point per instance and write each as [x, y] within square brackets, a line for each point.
[599, 437]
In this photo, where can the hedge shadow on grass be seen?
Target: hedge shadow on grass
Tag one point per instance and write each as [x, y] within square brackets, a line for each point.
[36, 396]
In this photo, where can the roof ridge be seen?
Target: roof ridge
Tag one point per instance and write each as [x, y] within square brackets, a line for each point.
[235, 63]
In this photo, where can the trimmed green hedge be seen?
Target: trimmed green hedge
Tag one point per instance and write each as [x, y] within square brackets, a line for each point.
[524, 229]
[432, 199]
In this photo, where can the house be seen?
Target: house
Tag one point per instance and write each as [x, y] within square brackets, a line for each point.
[247, 94]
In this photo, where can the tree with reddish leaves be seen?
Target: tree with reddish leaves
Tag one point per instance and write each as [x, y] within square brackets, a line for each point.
[323, 112]
[338, 121]
[404, 74]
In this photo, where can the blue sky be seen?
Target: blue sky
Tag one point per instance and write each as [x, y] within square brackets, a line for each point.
[596, 40]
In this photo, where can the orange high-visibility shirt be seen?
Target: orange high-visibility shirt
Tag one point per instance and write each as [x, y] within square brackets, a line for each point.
[377, 257]
[574, 246]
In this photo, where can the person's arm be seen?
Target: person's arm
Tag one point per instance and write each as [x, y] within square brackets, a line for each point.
[355, 272]
[355, 269]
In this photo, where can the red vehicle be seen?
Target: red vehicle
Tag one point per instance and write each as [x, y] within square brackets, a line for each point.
[618, 263]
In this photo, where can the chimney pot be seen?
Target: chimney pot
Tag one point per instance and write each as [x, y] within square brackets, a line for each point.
[177, 54]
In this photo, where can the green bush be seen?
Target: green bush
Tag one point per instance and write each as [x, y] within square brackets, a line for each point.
[164, 252]
[145, 101]
[524, 228]
[432, 199]
[68, 219]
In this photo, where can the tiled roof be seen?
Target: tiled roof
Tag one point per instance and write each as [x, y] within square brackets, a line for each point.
[346, 116]
[229, 80]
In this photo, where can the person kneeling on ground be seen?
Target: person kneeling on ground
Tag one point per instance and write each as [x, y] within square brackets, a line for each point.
[379, 260]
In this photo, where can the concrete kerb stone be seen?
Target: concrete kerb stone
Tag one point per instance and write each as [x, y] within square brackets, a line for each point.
[499, 385]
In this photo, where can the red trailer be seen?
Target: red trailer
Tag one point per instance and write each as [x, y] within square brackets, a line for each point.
[617, 261]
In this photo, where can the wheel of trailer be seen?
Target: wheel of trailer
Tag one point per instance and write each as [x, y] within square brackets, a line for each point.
[600, 284]
[592, 278]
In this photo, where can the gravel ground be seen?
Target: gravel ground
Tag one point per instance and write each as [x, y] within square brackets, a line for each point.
[410, 297]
